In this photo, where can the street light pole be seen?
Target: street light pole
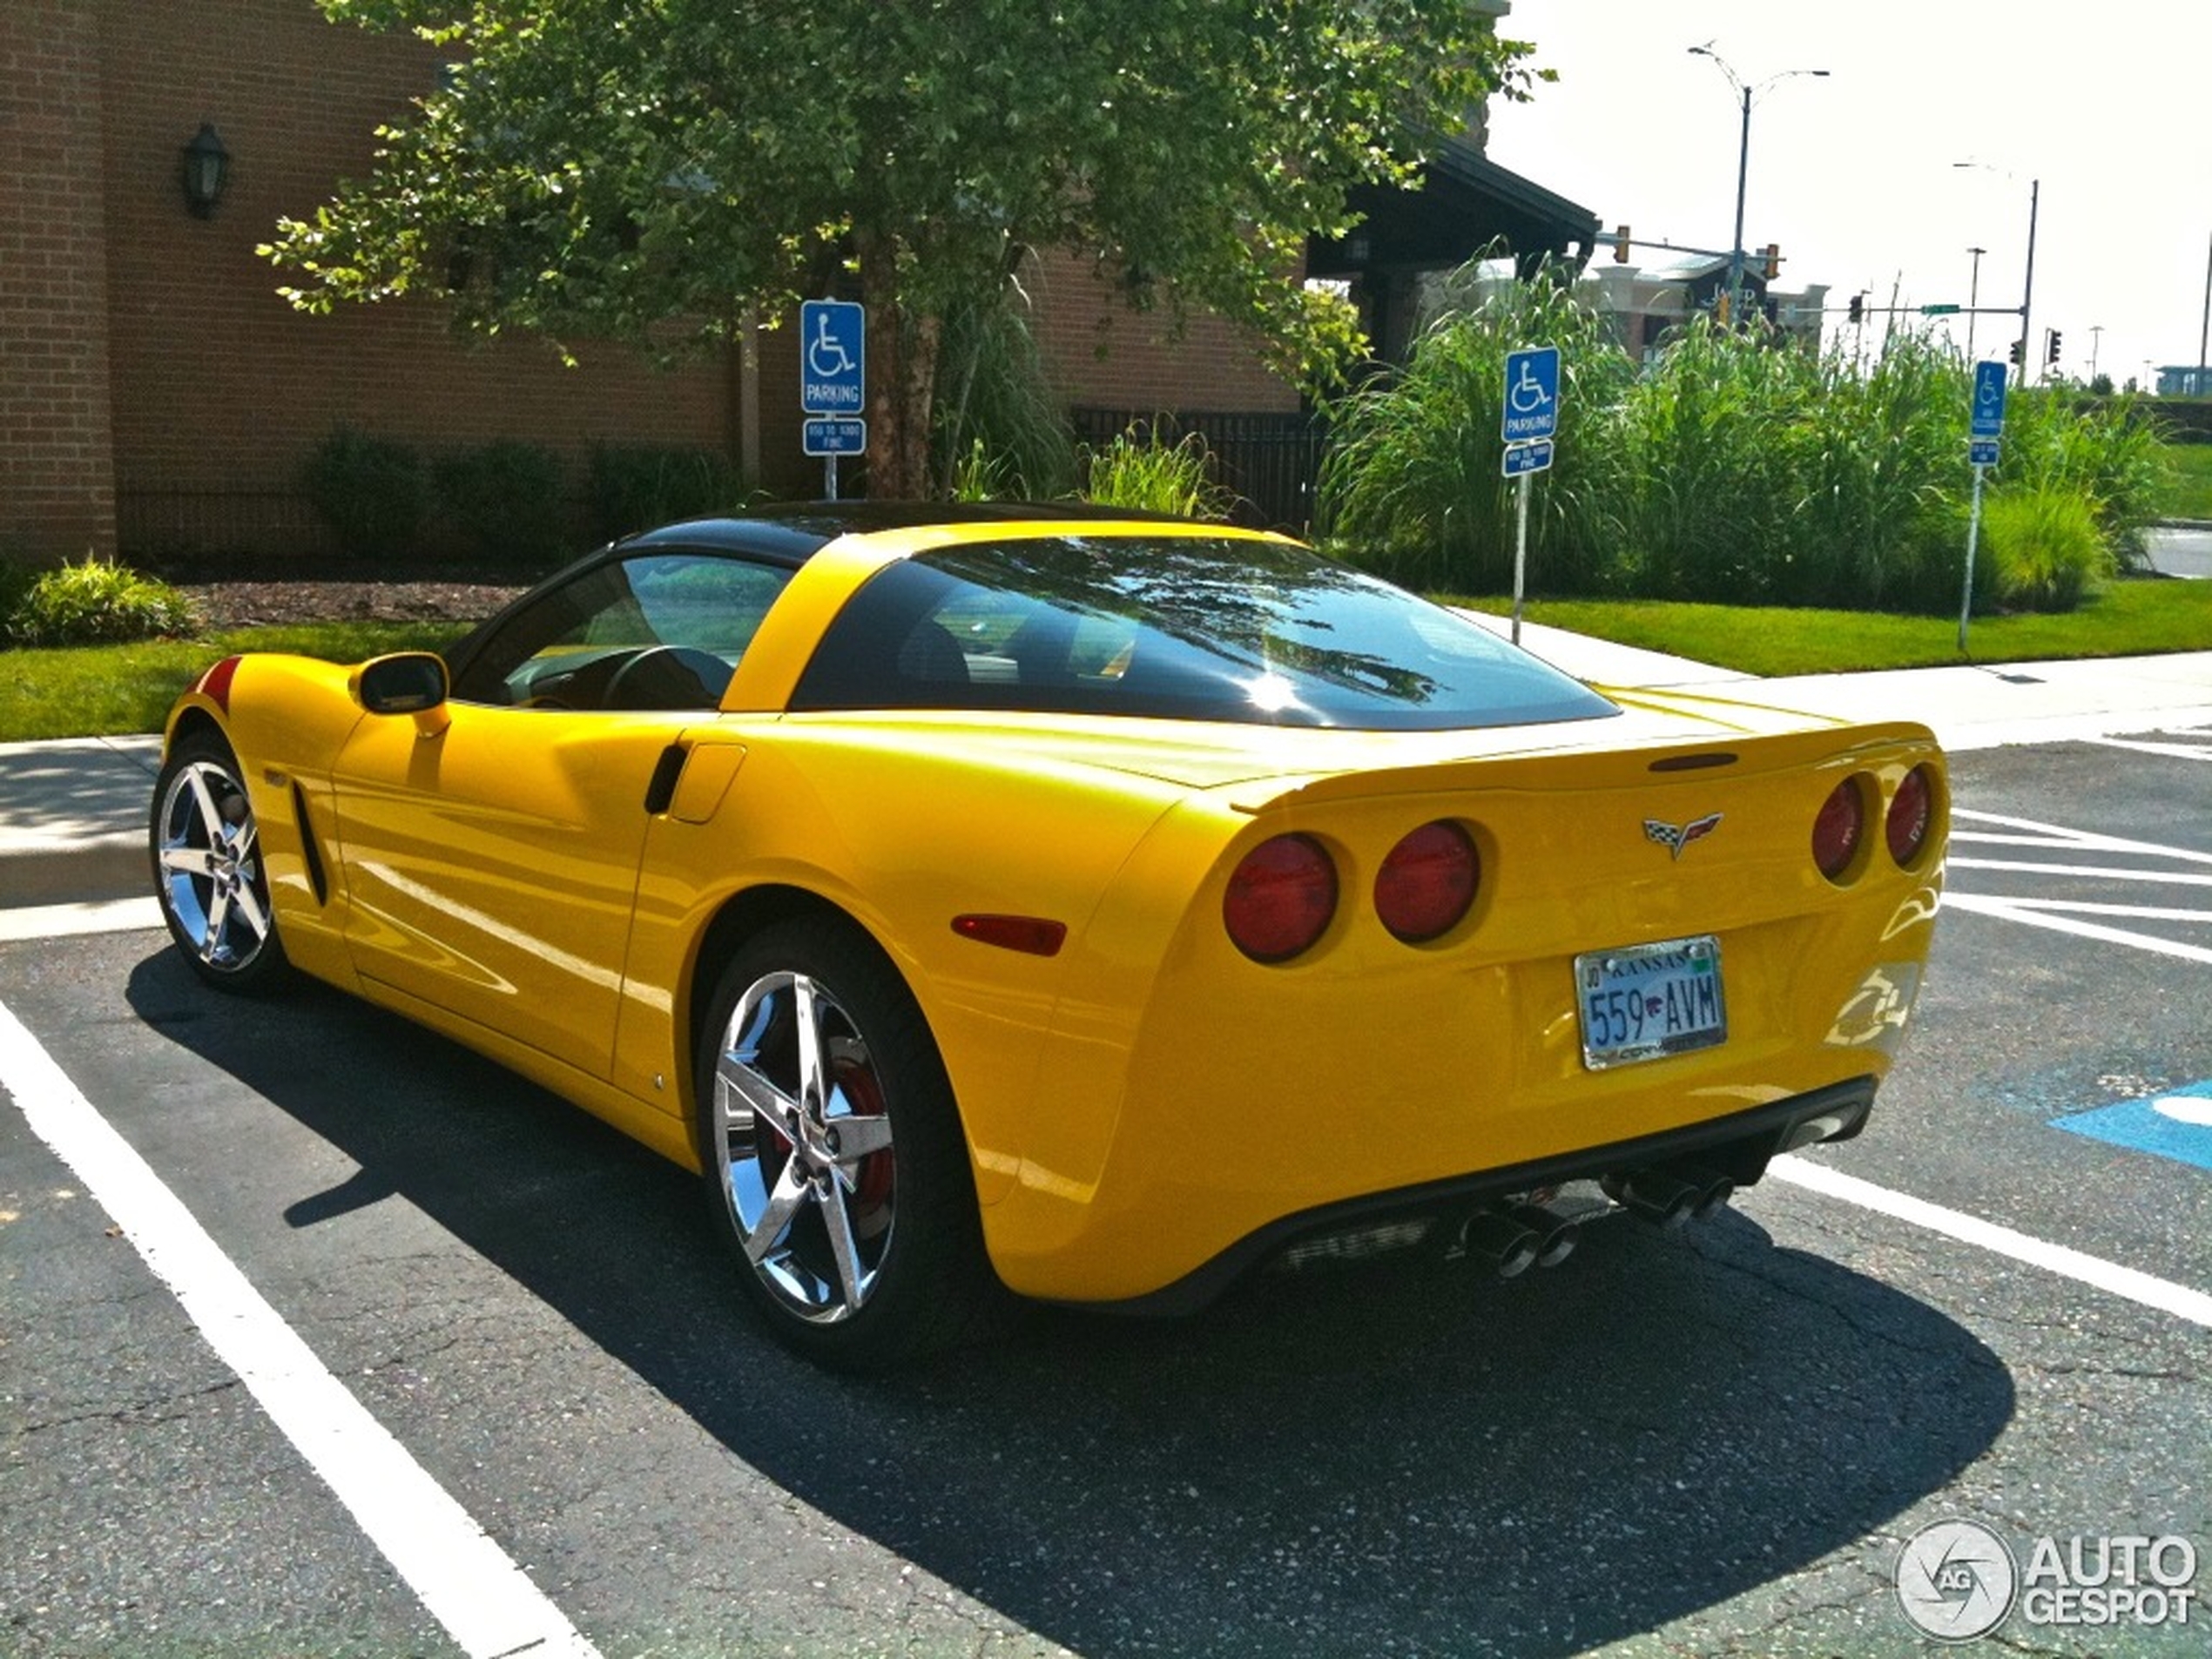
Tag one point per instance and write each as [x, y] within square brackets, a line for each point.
[2028, 284]
[1745, 91]
[1973, 299]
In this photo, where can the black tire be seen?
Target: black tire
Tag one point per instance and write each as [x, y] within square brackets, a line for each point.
[866, 1250]
[205, 844]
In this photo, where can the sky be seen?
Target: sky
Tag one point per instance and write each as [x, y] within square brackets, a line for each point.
[2108, 105]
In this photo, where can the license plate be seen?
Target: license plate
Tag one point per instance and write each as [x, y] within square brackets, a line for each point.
[1646, 1001]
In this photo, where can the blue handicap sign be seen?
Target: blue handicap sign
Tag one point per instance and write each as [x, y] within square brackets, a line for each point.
[1982, 452]
[2177, 1124]
[832, 358]
[1523, 458]
[833, 436]
[1531, 408]
[1988, 411]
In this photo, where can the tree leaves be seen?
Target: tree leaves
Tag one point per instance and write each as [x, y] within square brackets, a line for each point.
[652, 168]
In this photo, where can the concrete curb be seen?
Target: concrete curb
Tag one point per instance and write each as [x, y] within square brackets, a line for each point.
[73, 819]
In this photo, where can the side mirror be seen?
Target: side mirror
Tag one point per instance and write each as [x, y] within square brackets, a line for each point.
[412, 681]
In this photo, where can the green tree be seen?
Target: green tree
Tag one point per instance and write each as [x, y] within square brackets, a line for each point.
[655, 168]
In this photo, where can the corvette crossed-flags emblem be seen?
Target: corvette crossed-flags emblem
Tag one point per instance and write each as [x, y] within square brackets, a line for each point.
[1675, 839]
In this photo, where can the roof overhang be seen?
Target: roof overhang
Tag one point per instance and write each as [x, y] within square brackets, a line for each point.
[1466, 202]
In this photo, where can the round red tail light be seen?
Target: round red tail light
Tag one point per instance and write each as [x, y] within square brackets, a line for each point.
[1836, 832]
[1912, 812]
[1428, 883]
[1280, 898]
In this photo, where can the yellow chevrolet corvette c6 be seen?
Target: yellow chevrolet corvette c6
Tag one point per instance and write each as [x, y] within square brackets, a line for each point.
[1104, 906]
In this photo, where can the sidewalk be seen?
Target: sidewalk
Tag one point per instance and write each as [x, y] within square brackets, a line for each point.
[73, 814]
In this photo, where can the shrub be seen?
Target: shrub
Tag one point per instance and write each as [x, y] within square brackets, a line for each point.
[505, 497]
[634, 487]
[98, 603]
[1141, 471]
[373, 494]
[2046, 551]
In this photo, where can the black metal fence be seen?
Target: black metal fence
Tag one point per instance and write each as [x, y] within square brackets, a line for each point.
[1270, 460]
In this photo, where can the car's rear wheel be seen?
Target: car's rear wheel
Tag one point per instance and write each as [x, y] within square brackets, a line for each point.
[834, 1162]
[207, 868]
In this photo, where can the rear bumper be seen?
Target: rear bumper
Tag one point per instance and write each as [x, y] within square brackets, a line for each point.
[1737, 1146]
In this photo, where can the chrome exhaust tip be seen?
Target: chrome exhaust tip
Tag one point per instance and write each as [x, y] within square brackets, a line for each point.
[1502, 1241]
[1556, 1235]
[1659, 1196]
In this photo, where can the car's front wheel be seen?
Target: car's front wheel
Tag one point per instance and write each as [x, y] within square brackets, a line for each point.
[207, 869]
[834, 1162]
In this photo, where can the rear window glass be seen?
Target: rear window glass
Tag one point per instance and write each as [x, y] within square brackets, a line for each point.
[1179, 628]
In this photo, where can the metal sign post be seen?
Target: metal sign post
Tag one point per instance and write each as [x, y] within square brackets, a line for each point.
[832, 382]
[1528, 422]
[1986, 426]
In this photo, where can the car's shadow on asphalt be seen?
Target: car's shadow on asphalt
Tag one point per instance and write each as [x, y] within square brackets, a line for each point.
[1424, 1460]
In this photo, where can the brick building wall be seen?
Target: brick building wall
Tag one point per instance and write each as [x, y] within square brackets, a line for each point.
[1100, 354]
[221, 389]
[157, 394]
[57, 472]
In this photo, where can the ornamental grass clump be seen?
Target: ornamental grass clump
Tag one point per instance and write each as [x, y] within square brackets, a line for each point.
[1141, 471]
[2046, 551]
[98, 603]
[1412, 483]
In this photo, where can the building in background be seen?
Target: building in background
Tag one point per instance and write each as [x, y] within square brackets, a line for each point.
[157, 394]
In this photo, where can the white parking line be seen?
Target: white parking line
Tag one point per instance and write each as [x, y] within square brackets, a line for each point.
[2151, 1292]
[469, 1584]
[2009, 910]
[59, 920]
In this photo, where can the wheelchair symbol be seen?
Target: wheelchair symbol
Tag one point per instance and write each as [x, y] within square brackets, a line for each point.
[1527, 396]
[826, 354]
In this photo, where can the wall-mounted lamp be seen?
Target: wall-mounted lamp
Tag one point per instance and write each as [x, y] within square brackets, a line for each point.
[207, 166]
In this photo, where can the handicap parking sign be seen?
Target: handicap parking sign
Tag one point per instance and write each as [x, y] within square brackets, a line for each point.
[1532, 394]
[1988, 411]
[832, 357]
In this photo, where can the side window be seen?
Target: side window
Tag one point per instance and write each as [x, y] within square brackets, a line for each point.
[661, 630]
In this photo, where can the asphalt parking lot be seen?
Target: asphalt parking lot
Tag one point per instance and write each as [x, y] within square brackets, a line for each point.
[522, 1388]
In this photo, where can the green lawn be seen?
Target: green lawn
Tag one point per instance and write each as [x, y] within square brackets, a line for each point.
[104, 690]
[2130, 618]
[2191, 496]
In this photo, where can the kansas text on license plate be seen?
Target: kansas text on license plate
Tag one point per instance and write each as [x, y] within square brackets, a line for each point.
[1642, 1002]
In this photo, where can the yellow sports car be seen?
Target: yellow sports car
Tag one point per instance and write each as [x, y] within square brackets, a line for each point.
[1107, 906]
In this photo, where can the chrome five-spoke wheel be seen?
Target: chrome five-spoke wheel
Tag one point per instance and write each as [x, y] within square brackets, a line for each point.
[804, 1147]
[207, 866]
[834, 1162]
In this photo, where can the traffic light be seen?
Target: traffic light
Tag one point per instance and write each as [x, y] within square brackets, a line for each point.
[2050, 346]
[1620, 244]
[1773, 260]
[2013, 351]
[1858, 308]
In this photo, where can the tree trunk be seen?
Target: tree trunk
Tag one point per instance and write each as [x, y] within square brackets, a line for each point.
[902, 375]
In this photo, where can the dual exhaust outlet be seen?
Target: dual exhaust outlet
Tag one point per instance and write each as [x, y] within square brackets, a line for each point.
[1513, 1237]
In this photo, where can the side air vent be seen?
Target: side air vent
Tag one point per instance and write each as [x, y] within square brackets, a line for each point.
[316, 878]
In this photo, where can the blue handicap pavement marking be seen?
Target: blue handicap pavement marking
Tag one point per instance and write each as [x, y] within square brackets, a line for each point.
[2176, 1124]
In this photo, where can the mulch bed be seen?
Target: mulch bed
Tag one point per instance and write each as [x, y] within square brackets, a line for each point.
[238, 605]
